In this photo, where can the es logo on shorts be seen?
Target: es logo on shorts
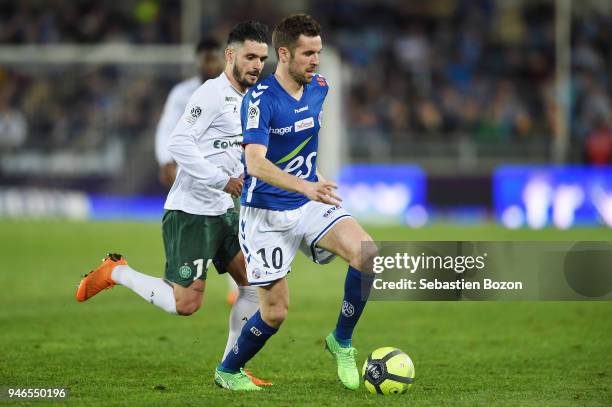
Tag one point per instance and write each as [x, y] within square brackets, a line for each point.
[185, 271]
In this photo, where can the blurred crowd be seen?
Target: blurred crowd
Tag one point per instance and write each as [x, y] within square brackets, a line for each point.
[84, 108]
[89, 104]
[440, 69]
[89, 21]
[480, 69]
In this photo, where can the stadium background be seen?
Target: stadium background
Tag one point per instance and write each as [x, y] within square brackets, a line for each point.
[449, 119]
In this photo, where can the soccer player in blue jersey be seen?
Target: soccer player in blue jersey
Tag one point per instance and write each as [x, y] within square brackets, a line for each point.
[287, 205]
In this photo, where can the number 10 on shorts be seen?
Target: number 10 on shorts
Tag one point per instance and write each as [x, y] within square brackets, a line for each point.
[276, 258]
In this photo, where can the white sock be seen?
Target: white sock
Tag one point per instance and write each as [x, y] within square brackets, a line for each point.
[231, 284]
[152, 289]
[245, 306]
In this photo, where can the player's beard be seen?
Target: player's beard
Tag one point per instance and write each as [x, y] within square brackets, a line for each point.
[241, 77]
[297, 76]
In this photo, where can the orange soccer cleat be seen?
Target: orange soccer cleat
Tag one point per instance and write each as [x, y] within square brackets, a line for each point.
[256, 381]
[100, 278]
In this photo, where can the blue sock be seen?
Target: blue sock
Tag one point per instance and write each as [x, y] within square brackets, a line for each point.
[252, 338]
[357, 288]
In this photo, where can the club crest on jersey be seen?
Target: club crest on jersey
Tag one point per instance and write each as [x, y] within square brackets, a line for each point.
[304, 124]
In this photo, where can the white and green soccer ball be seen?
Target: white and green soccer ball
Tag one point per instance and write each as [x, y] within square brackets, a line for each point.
[388, 371]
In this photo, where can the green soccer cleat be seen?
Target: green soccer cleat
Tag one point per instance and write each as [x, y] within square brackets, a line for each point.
[345, 357]
[235, 381]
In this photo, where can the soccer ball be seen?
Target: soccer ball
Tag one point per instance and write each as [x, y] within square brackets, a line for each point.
[388, 371]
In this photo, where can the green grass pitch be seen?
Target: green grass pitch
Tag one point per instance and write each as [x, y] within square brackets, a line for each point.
[118, 350]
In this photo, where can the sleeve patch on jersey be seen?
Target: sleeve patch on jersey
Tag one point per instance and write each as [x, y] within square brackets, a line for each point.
[193, 115]
[196, 111]
[253, 117]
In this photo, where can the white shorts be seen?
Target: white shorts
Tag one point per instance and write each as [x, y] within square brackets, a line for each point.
[270, 239]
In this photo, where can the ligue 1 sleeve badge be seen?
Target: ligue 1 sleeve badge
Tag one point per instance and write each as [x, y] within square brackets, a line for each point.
[196, 111]
[193, 115]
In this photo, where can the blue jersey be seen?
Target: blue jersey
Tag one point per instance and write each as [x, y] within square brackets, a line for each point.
[290, 130]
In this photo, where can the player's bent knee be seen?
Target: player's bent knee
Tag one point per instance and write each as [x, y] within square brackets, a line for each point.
[363, 254]
[186, 308]
[188, 304]
[275, 316]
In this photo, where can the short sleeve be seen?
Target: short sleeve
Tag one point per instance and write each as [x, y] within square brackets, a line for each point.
[256, 114]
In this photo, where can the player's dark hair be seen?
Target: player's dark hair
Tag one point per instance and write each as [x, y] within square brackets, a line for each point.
[287, 32]
[207, 44]
[248, 30]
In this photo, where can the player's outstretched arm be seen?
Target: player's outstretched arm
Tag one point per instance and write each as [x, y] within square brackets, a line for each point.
[260, 167]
